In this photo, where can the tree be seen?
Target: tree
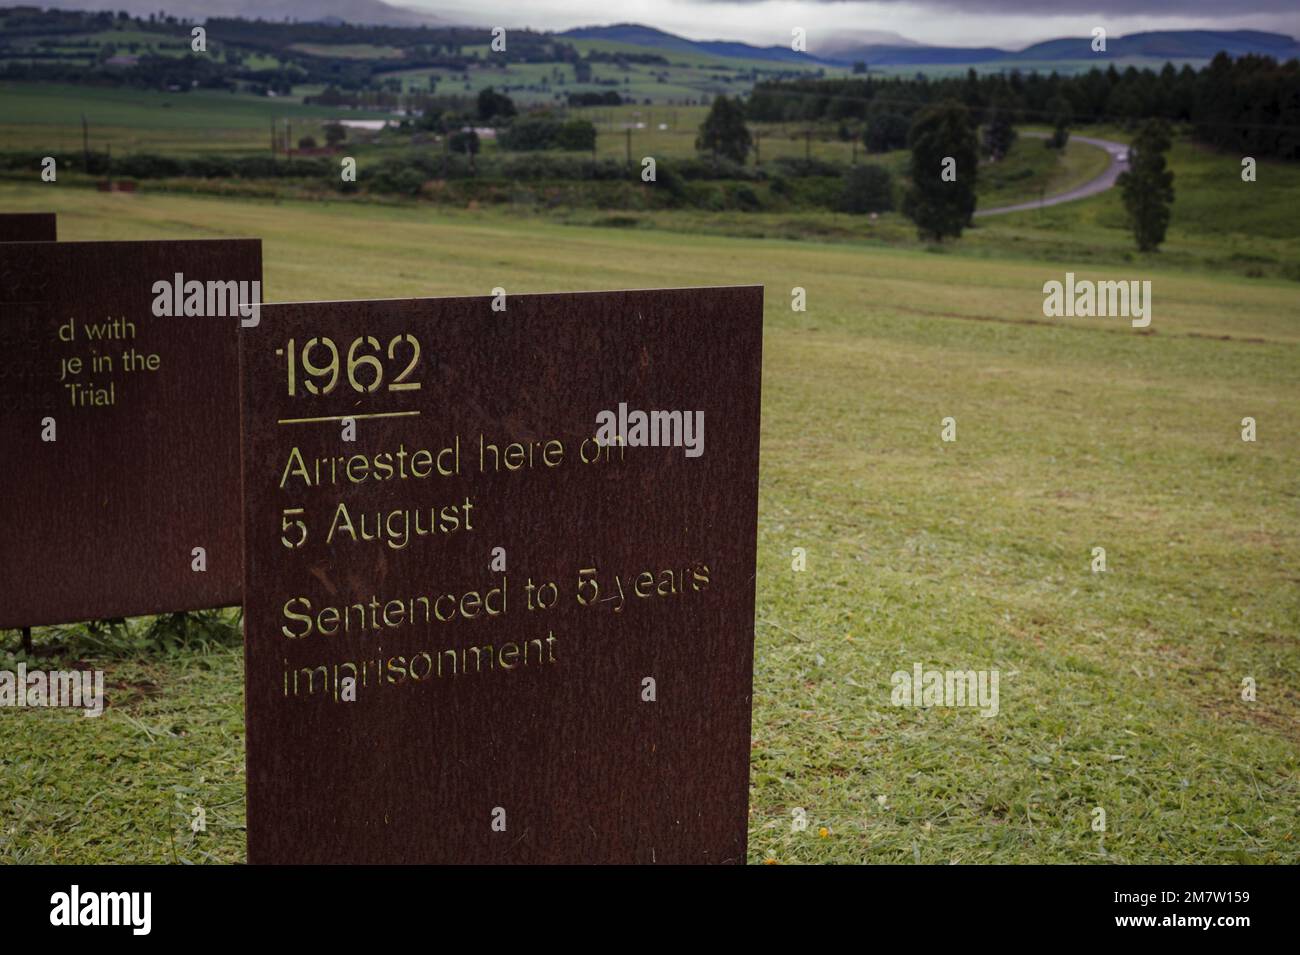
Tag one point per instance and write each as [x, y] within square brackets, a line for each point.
[1147, 186]
[999, 135]
[724, 132]
[1062, 116]
[494, 105]
[1125, 103]
[945, 163]
[886, 128]
[335, 133]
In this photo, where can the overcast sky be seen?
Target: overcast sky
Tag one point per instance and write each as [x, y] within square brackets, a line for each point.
[1003, 23]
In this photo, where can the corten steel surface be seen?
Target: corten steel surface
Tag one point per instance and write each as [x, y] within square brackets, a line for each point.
[562, 741]
[27, 227]
[102, 521]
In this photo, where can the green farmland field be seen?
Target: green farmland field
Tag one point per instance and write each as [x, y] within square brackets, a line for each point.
[1119, 690]
[48, 116]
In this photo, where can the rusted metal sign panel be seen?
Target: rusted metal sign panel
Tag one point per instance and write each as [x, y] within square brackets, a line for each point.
[119, 428]
[510, 620]
[27, 227]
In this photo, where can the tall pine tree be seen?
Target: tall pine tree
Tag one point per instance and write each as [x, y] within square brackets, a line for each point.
[1147, 186]
[945, 163]
[723, 132]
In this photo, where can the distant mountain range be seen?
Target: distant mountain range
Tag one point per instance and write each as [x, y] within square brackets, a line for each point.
[874, 47]
[635, 34]
[899, 51]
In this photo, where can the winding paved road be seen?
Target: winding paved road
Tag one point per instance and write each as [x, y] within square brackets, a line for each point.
[1118, 163]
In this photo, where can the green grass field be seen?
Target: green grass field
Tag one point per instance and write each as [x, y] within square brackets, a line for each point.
[1219, 224]
[1119, 690]
[139, 121]
[349, 51]
[1030, 167]
[48, 116]
[549, 83]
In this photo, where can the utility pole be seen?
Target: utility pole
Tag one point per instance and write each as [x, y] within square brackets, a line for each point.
[629, 145]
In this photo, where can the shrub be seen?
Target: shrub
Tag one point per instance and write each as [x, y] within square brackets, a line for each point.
[746, 198]
[465, 142]
[147, 166]
[530, 133]
[867, 188]
[397, 178]
[534, 168]
[577, 134]
[801, 168]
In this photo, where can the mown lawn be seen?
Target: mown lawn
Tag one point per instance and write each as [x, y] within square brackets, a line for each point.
[1119, 690]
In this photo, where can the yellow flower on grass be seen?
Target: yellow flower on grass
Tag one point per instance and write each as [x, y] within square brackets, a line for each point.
[824, 832]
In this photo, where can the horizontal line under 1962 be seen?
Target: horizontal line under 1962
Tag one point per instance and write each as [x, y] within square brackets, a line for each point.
[354, 417]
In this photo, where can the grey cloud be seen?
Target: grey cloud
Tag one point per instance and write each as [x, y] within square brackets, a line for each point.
[1216, 9]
